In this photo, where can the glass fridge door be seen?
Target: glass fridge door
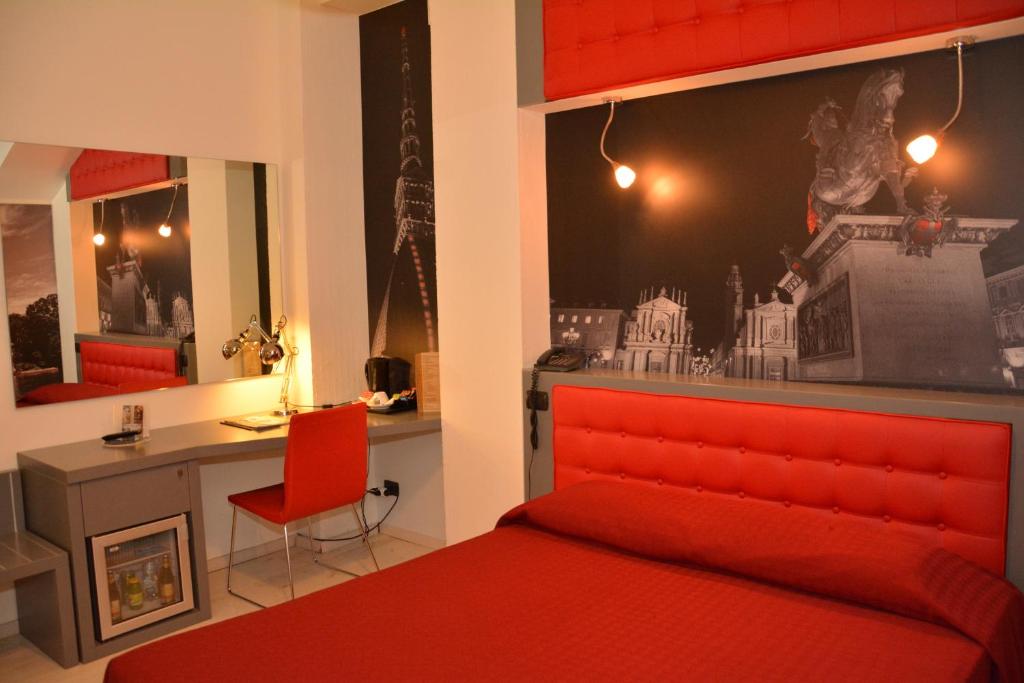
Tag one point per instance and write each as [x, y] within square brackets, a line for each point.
[143, 574]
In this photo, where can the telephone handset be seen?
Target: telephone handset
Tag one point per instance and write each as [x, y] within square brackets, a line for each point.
[561, 360]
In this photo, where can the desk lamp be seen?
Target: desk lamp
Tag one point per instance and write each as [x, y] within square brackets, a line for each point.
[273, 348]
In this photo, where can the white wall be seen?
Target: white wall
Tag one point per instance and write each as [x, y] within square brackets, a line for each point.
[245, 61]
[483, 291]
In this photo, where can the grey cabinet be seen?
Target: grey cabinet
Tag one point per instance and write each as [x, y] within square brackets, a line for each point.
[69, 515]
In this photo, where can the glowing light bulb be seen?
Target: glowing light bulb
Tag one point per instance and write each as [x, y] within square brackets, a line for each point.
[922, 148]
[98, 239]
[624, 175]
[164, 230]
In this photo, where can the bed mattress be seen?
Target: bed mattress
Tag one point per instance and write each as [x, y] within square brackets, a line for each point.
[592, 583]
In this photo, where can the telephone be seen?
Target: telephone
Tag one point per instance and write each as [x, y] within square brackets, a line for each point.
[561, 360]
[558, 360]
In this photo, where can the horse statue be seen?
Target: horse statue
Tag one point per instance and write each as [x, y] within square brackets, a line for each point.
[854, 159]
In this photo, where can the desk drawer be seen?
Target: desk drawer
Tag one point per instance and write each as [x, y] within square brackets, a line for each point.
[134, 498]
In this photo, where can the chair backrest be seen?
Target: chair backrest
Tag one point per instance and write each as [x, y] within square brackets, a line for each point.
[325, 461]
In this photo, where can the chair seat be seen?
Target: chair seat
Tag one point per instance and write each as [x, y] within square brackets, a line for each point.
[267, 502]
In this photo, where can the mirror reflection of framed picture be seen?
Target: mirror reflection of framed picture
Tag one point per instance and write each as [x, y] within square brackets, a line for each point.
[30, 283]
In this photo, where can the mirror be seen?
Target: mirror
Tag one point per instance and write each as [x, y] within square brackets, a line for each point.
[125, 272]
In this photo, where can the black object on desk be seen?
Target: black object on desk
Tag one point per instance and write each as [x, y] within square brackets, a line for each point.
[121, 437]
[390, 375]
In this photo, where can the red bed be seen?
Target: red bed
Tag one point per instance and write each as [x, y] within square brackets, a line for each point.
[646, 574]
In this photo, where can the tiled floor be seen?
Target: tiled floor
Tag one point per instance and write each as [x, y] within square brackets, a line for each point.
[264, 579]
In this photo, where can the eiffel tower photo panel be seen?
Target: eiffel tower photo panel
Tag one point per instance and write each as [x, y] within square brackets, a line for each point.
[398, 180]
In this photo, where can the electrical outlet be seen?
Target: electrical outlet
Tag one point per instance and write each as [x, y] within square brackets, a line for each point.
[390, 488]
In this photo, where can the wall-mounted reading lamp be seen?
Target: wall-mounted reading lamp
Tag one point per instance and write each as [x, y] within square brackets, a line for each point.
[923, 147]
[98, 237]
[624, 175]
[273, 348]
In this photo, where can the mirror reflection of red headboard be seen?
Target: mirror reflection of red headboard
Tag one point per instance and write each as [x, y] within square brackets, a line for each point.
[944, 481]
[98, 172]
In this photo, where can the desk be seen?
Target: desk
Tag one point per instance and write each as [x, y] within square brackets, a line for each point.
[73, 463]
[78, 490]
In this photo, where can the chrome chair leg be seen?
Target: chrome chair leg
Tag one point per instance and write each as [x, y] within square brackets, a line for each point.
[288, 558]
[365, 535]
[231, 562]
[231, 547]
[318, 557]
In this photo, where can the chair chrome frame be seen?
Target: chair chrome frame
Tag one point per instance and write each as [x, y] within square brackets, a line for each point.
[288, 555]
[318, 555]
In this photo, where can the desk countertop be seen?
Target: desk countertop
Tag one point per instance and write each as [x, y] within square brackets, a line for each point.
[73, 463]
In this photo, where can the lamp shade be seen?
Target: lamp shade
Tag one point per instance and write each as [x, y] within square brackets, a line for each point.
[922, 148]
[271, 352]
[624, 175]
[230, 348]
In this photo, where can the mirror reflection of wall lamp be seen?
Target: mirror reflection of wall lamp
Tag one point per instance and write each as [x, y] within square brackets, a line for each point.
[624, 175]
[923, 147]
[165, 228]
[273, 348]
[98, 238]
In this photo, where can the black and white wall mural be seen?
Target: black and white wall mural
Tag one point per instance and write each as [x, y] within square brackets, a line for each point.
[398, 180]
[779, 230]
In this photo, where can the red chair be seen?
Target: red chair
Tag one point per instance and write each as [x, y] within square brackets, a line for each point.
[324, 469]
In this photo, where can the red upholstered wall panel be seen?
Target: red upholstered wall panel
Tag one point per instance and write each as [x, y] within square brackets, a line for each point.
[592, 45]
[945, 481]
[97, 172]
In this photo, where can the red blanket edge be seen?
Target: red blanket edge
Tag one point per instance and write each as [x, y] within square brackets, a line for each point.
[841, 558]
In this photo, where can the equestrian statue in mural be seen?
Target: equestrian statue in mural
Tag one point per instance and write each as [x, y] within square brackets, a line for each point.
[853, 159]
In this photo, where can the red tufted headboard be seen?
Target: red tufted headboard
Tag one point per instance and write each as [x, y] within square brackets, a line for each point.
[592, 45]
[128, 367]
[945, 481]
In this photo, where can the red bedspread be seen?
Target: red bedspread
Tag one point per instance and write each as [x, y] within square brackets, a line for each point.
[601, 582]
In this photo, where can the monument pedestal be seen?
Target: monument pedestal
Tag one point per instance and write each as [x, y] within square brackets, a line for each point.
[877, 315]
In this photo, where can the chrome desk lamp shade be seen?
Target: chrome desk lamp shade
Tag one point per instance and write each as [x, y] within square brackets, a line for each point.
[273, 349]
[272, 352]
[231, 347]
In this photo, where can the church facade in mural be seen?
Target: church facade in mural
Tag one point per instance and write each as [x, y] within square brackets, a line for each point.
[890, 284]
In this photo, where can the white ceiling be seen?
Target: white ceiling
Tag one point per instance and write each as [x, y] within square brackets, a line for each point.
[358, 6]
[33, 173]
